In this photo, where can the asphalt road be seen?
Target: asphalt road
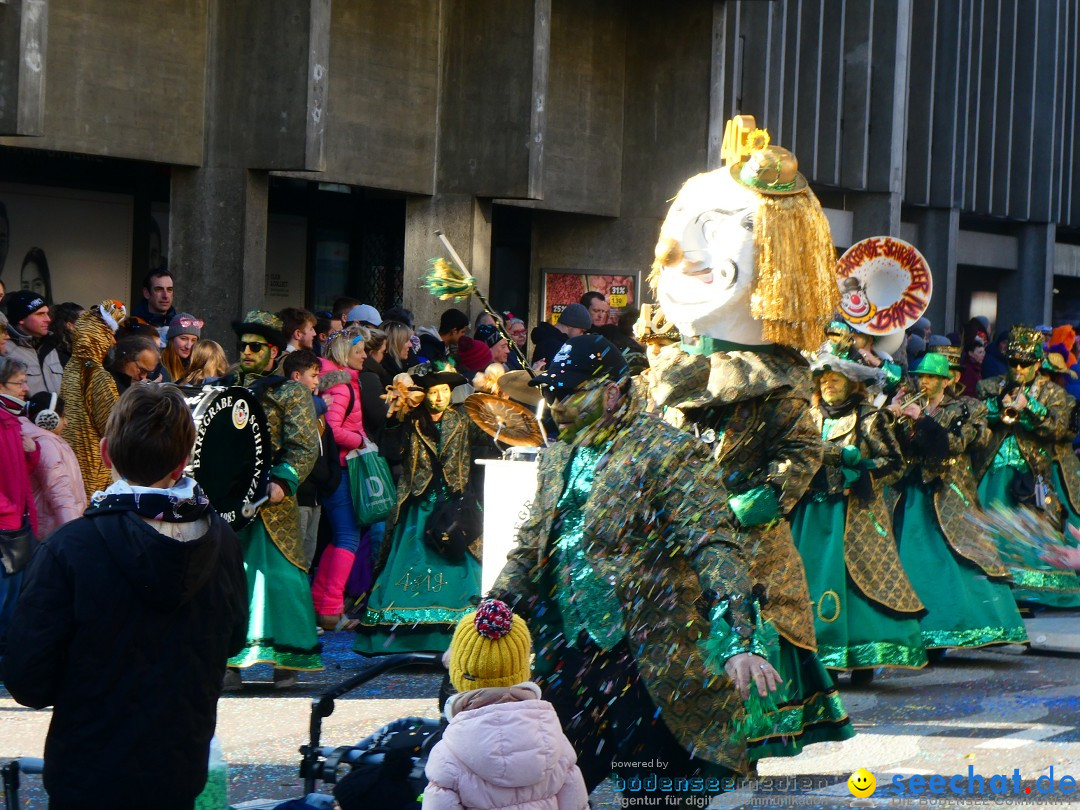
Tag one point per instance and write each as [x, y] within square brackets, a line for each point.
[996, 711]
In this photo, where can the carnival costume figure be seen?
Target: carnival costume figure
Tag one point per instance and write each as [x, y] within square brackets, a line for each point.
[1064, 464]
[281, 625]
[954, 566]
[89, 391]
[866, 613]
[744, 270]
[633, 580]
[423, 589]
[1028, 415]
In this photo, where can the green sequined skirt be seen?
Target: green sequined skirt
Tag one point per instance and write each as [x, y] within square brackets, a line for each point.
[1034, 581]
[964, 607]
[419, 597]
[281, 620]
[813, 711]
[852, 631]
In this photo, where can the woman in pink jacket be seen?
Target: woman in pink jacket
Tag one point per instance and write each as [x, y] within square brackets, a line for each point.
[343, 358]
[57, 481]
[504, 747]
[18, 458]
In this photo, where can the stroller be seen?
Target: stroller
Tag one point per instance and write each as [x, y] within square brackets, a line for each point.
[387, 767]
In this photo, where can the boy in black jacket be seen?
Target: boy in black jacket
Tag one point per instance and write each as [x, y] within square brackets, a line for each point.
[303, 367]
[126, 619]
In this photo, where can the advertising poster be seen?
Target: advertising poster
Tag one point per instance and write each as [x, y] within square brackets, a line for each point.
[565, 287]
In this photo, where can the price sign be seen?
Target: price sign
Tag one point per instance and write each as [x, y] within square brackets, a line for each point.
[617, 296]
[556, 312]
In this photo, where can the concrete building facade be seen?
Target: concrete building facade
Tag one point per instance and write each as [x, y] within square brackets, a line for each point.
[279, 152]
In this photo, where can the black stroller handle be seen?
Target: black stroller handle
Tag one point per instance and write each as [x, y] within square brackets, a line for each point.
[323, 705]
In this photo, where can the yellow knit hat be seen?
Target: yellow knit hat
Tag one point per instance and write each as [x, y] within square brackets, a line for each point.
[490, 648]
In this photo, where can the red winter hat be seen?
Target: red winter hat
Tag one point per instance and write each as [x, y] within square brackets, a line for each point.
[472, 355]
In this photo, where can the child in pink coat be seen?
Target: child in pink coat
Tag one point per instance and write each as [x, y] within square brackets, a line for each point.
[504, 747]
[57, 481]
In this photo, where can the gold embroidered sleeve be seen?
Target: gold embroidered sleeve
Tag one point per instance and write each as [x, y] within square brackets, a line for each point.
[794, 448]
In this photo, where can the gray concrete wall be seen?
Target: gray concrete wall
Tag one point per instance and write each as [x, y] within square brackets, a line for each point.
[267, 84]
[125, 78]
[582, 170]
[383, 95]
[490, 139]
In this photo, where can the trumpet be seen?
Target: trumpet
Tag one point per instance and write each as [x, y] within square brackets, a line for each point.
[919, 399]
[1009, 412]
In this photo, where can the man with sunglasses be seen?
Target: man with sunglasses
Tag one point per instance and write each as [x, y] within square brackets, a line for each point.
[1027, 415]
[633, 580]
[281, 628]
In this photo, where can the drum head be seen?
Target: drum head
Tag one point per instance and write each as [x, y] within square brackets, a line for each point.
[231, 458]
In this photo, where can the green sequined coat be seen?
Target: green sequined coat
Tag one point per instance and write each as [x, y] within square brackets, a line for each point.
[657, 528]
[294, 434]
[1040, 426]
[870, 551]
[952, 481]
[753, 407]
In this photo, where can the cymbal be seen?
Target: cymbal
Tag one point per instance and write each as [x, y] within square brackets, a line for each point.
[506, 421]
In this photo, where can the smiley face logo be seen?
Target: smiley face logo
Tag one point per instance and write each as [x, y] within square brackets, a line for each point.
[862, 783]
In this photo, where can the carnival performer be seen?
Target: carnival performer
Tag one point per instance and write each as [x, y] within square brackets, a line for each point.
[281, 624]
[1028, 415]
[744, 270]
[1064, 465]
[423, 587]
[954, 566]
[633, 581]
[866, 613]
[90, 391]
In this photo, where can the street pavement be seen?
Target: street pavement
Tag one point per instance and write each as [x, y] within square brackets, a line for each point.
[996, 711]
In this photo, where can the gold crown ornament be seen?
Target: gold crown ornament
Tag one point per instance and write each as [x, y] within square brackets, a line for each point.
[950, 352]
[1025, 344]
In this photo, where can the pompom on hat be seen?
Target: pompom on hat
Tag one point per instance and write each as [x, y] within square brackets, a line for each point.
[490, 649]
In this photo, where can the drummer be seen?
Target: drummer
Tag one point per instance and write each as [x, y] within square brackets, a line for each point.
[281, 629]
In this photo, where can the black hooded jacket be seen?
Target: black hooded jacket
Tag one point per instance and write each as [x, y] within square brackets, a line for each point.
[126, 632]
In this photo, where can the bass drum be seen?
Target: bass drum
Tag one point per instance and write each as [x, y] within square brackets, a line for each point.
[231, 457]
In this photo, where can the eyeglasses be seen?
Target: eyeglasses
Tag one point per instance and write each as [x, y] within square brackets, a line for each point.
[189, 323]
[18, 384]
[1013, 363]
[253, 346]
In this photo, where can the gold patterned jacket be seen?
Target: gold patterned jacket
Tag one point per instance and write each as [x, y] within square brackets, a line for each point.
[870, 551]
[452, 451]
[952, 480]
[1062, 452]
[294, 435]
[1041, 425]
[89, 393]
[754, 409]
[656, 526]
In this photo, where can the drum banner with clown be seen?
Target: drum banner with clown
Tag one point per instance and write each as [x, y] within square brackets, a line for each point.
[885, 285]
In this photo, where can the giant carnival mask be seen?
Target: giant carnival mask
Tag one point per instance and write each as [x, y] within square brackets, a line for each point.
[745, 253]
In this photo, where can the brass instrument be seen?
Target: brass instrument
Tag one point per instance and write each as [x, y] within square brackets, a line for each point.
[919, 399]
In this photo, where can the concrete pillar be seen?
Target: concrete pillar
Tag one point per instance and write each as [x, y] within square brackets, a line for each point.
[24, 26]
[939, 229]
[466, 222]
[217, 245]
[1025, 295]
[874, 214]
